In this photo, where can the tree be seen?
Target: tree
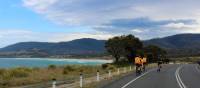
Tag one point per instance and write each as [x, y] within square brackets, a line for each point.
[154, 53]
[131, 46]
[126, 46]
[114, 47]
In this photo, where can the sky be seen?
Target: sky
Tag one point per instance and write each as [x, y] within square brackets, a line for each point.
[65, 20]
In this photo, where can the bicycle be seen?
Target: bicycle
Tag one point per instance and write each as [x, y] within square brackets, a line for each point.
[138, 69]
[159, 66]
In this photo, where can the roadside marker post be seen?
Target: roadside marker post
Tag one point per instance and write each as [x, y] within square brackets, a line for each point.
[130, 68]
[124, 69]
[109, 73]
[54, 83]
[118, 71]
[81, 80]
[97, 75]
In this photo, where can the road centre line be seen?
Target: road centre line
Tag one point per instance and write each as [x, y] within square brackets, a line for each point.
[178, 78]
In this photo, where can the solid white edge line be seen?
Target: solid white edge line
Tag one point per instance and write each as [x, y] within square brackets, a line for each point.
[136, 78]
[178, 78]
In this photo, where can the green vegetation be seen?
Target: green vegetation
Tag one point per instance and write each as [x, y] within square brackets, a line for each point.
[126, 48]
[123, 46]
[155, 53]
[187, 59]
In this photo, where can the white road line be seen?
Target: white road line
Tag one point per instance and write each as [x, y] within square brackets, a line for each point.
[197, 69]
[178, 78]
[136, 78]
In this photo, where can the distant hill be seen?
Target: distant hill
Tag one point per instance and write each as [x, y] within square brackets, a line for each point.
[176, 45]
[75, 47]
[179, 45]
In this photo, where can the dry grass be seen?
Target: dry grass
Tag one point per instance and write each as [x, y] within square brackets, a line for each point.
[26, 76]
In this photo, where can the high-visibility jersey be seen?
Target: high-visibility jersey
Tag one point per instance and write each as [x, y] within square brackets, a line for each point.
[144, 60]
[138, 60]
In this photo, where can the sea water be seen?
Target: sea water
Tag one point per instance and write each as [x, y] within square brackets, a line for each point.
[44, 62]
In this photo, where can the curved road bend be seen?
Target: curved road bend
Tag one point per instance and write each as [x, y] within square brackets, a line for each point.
[171, 76]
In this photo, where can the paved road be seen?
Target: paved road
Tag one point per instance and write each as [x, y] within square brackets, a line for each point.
[171, 76]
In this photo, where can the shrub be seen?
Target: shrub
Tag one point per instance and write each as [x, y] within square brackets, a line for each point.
[111, 67]
[104, 66]
[67, 69]
[52, 67]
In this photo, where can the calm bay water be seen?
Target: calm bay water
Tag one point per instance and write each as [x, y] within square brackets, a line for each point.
[44, 62]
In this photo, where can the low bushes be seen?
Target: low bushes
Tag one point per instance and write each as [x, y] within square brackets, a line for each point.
[52, 67]
[68, 69]
[104, 66]
[108, 66]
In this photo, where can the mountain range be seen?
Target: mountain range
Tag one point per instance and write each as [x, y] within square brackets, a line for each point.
[83, 46]
[176, 45]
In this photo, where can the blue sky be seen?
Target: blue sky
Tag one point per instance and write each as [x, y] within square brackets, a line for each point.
[65, 20]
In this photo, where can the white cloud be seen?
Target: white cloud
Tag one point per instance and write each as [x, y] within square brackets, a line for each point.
[183, 28]
[95, 13]
[40, 6]
[137, 30]
[181, 25]
[90, 12]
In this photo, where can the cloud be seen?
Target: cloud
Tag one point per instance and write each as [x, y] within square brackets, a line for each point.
[137, 30]
[40, 6]
[181, 25]
[151, 18]
[8, 37]
[144, 22]
[146, 28]
[87, 12]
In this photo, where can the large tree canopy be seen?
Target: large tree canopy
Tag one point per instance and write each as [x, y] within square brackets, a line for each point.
[131, 45]
[114, 47]
[123, 46]
[154, 53]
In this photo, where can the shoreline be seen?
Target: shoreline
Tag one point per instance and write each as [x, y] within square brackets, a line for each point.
[45, 62]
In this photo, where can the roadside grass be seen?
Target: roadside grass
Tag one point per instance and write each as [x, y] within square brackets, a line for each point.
[23, 76]
[186, 59]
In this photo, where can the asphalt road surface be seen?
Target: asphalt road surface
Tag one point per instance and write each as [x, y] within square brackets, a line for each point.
[171, 76]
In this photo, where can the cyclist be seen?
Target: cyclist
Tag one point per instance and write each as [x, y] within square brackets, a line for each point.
[159, 66]
[138, 64]
[144, 60]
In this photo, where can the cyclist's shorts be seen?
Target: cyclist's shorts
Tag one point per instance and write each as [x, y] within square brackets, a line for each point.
[144, 63]
[138, 65]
